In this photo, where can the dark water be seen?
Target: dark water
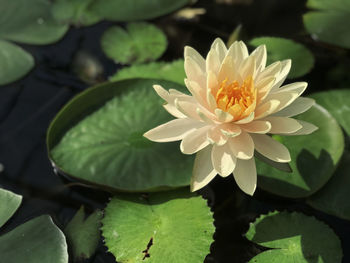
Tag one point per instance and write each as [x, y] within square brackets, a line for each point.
[28, 106]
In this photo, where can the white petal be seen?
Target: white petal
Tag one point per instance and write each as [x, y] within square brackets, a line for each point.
[191, 52]
[270, 71]
[242, 146]
[212, 62]
[223, 160]
[197, 91]
[195, 141]
[215, 136]
[203, 171]
[247, 68]
[284, 98]
[271, 148]
[299, 106]
[223, 116]
[211, 101]
[260, 56]
[230, 129]
[245, 175]
[264, 86]
[246, 119]
[281, 77]
[173, 130]
[307, 128]
[220, 48]
[295, 87]
[238, 51]
[283, 125]
[163, 93]
[227, 70]
[188, 108]
[174, 111]
[266, 109]
[257, 127]
[194, 72]
[212, 82]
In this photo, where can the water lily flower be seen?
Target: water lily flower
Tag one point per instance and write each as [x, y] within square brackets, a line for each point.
[236, 102]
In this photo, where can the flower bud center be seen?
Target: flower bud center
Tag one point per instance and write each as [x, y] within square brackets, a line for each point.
[237, 99]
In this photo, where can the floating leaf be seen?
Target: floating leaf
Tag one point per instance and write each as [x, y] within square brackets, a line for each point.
[14, 62]
[37, 240]
[294, 237]
[281, 48]
[333, 197]
[337, 102]
[12, 202]
[139, 43]
[329, 21]
[98, 138]
[75, 12]
[173, 71]
[132, 10]
[29, 22]
[83, 234]
[314, 158]
[172, 227]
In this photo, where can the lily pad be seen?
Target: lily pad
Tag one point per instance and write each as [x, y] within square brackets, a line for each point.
[29, 22]
[132, 10]
[294, 238]
[333, 197]
[75, 12]
[329, 21]
[139, 43]
[37, 240]
[314, 158]
[98, 138]
[83, 234]
[281, 49]
[173, 71]
[14, 62]
[172, 227]
[12, 201]
[337, 102]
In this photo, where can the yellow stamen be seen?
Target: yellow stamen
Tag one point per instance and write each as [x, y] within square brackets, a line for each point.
[238, 100]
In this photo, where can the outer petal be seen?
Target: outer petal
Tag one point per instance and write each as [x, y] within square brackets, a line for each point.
[245, 175]
[216, 136]
[283, 125]
[191, 52]
[285, 68]
[260, 56]
[242, 146]
[223, 160]
[299, 106]
[307, 128]
[195, 141]
[270, 71]
[203, 171]
[257, 127]
[174, 111]
[266, 108]
[194, 72]
[247, 68]
[173, 130]
[271, 148]
[220, 48]
[213, 62]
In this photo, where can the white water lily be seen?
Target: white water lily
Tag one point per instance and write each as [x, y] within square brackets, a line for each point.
[236, 101]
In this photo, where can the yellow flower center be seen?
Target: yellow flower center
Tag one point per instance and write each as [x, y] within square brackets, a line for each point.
[238, 100]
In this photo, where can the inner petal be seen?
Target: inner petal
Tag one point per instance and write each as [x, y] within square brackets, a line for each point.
[237, 99]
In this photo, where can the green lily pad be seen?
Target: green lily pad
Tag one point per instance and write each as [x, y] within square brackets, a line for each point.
[37, 240]
[314, 158]
[337, 102]
[83, 234]
[333, 197]
[281, 49]
[14, 62]
[172, 227]
[294, 238]
[329, 21]
[132, 10]
[173, 71]
[139, 43]
[98, 138]
[75, 12]
[12, 201]
[29, 22]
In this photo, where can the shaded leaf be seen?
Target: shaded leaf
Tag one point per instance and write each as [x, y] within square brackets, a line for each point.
[167, 227]
[83, 234]
[139, 43]
[173, 71]
[314, 158]
[9, 203]
[295, 238]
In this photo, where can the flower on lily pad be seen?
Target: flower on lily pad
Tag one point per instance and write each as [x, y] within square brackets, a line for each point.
[236, 102]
